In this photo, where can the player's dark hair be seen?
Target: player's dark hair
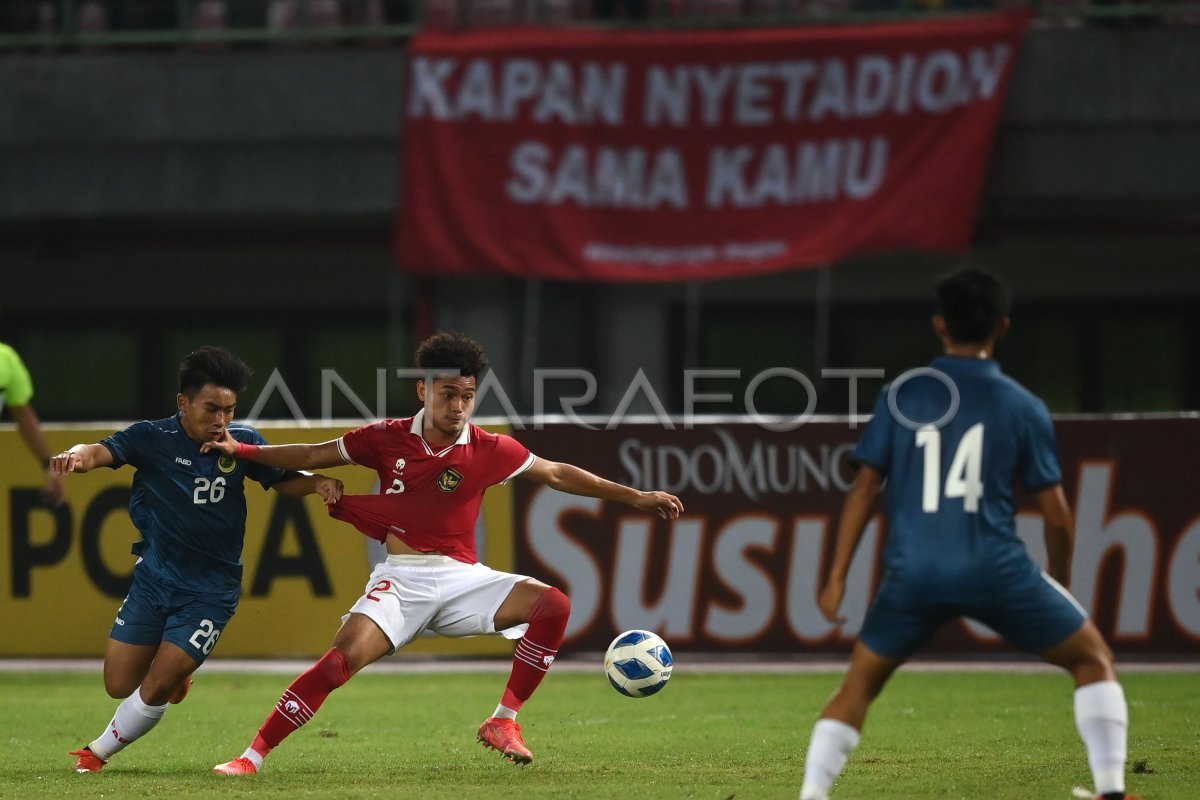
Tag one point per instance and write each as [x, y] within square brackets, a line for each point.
[973, 301]
[214, 365]
[451, 351]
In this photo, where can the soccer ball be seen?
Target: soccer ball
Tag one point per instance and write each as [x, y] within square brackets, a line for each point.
[638, 663]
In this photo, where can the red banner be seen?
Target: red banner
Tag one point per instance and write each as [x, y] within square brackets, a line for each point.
[669, 155]
[740, 571]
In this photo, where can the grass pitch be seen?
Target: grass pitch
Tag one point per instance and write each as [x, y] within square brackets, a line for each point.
[719, 735]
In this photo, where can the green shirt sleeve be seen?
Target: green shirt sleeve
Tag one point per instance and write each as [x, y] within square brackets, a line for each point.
[15, 383]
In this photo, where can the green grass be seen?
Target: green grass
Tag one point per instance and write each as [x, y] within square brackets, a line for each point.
[930, 735]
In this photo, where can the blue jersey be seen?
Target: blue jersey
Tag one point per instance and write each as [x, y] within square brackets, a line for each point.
[189, 507]
[950, 477]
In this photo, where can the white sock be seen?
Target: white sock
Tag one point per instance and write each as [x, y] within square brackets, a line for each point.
[504, 712]
[1102, 718]
[254, 756]
[133, 720]
[832, 743]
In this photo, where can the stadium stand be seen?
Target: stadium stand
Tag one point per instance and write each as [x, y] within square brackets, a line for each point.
[57, 21]
[487, 13]
[93, 17]
[210, 15]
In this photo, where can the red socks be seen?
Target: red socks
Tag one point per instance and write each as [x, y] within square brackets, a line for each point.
[535, 652]
[302, 699]
[534, 655]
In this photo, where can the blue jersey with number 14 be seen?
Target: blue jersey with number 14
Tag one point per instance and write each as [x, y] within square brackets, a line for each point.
[190, 507]
[950, 477]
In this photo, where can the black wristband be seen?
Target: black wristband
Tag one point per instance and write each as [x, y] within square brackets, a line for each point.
[45, 463]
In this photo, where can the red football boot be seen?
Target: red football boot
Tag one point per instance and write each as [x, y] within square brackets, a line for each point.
[504, 735]
[88, 761]
[239, 766]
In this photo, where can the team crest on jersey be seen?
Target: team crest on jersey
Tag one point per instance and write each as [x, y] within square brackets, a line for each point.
[449, 480]
[227, 463]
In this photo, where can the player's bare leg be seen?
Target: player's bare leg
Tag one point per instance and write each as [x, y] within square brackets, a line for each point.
[151, 676]
[358, 642]
[125, 665]
[520, 601]
[1101, 714]
[865, 679]
[361, 641]
[546, 609]
[1085, 655]
[171, 669]
[836, 733]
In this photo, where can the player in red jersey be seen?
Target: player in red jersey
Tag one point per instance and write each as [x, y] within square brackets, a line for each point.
[433, 469]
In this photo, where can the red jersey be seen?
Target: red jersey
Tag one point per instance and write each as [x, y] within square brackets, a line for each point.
[429, 498]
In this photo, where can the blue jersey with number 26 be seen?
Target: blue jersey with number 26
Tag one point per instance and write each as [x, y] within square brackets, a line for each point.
[950, 477]
[189, 507]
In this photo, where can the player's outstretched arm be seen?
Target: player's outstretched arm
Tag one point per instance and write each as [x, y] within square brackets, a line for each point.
[284, 456]
[30, 428]
[81, 458]
[856, 512]
[573, 480]
[1060, 532]
[299, 485]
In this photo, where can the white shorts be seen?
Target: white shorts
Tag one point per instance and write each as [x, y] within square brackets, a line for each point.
[407, 595]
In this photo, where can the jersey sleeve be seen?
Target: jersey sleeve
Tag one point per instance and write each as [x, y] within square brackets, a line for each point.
[15, 383]
[128, 445]
[1038, 466]
[361, 445]
[267, 476]
[511, 459]
[875, 445]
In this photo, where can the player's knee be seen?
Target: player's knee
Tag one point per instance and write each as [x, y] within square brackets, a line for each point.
[1104, 655]
[119, 687]
[1095, 665]
[551, 605]
[1087, 657]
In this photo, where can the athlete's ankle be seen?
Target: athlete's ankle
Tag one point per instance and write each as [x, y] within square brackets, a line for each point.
[256, 756]
[260, 747]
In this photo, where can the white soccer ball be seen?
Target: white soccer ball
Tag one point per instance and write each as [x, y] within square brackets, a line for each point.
[638, 663]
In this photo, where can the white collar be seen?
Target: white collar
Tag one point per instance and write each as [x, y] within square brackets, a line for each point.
[418, 429]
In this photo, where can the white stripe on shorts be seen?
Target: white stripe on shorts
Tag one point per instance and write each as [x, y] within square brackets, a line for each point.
[1058, 587]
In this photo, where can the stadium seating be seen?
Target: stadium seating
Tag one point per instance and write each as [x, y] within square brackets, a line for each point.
[282, 14]
[490, 13]
[323, 14]
[209, 15]
[94, 18]
[557, 12]
[441, 13]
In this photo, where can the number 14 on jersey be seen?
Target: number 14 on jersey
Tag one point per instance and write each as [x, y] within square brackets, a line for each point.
[963, 478]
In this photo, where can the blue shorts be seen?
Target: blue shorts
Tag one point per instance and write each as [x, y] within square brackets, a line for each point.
[1024, 605]
[155, 612]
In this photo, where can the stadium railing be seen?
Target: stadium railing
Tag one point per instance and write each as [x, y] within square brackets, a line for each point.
[54, 25]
